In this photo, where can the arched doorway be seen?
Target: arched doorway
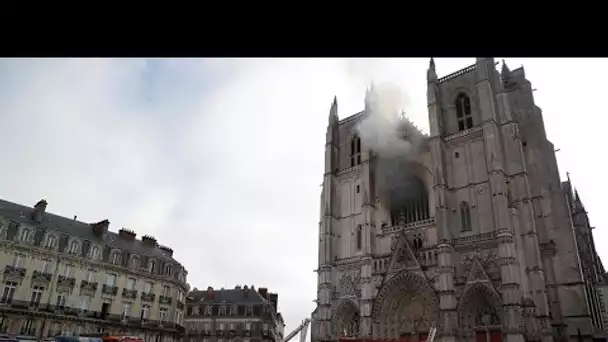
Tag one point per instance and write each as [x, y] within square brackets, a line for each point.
[346, 320]
[406, 308]
[480, 314]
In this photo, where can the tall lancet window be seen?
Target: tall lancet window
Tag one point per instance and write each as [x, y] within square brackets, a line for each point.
[463, 112]
[355, 151]
[359, 234]
[465, 217]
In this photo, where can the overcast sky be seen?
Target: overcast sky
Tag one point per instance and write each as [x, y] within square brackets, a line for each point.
[223, 159]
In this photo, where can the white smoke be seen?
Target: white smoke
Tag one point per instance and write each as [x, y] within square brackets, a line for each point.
[394, 143]
[385, 129]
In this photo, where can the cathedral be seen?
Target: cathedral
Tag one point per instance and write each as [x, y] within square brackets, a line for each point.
[467, 231]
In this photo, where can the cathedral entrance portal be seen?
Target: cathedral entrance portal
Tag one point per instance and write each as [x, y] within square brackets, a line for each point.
[479, 315]
[406, 308]
[346, 320]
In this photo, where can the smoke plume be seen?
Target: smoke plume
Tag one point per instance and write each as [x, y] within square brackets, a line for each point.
[394, 141]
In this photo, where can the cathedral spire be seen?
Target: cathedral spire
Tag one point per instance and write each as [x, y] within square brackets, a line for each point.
[505, 72]
[333, 112]
[431, 74]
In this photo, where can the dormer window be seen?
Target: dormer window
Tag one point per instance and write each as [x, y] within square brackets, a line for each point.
[355, 151]
[234, 310]
[50, 241]
[248, 311]
[134, 261]
[208, 310]
[26, 235]
[95, 253]
[463, 112]
[152, 266]
[73, 247]
[222, 310]
[115, 258]
[168, 270]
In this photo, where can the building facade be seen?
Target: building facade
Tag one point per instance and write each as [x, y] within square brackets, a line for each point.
[63, 276]
[468, 229]
[594, 274]
[242, 314]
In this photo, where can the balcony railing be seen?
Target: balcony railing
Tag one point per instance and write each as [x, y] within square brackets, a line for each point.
[42, 276]
[66, 281]
[23, 307]
[109, 289]
[12, 271]
[131, 294]
[88, 286]
[164, 300]
[148, 297]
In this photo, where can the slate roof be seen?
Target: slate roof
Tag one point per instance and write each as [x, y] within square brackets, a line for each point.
[63, 225]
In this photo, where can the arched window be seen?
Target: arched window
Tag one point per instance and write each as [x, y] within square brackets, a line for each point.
[74, 246]
[51, 241]
[359, 237]
[115, 257]
[96, 253]
[409, 201]
[135, 262]
[463, 112]
[465, 217]
[26, 235]
[355, 151]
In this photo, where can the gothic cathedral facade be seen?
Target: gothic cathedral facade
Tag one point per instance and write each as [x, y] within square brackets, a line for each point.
[483, 249]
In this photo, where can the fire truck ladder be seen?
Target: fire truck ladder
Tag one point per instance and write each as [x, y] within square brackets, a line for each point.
[302, 329]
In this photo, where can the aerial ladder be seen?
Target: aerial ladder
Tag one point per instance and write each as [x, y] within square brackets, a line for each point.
[302, 329]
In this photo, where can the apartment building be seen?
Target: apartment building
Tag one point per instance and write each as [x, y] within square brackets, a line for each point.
[65, 276]
[242, 314]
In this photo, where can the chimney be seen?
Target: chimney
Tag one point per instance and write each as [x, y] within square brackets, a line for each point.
[149, 241]
[101, 228]
[39, 210]
[245, 291]
[263, 292]
[237, 287]
[210, 293]
[127, 234]
[167, 250]
[274, 299]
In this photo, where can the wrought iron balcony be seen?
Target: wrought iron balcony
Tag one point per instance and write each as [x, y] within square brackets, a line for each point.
[165, 300]
[131, 294]
[16, 272]
[88, 285]
[66, 281]
[42, 276]
[148, 297]
[21, 307]
[109, 289]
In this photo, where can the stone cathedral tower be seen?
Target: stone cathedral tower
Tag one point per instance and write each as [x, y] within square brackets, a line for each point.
[479, 244]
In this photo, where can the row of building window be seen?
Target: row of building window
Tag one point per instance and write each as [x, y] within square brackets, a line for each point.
[209, 326]
[222, 310]
[51, 241]
[91, 275]
[10, 288]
